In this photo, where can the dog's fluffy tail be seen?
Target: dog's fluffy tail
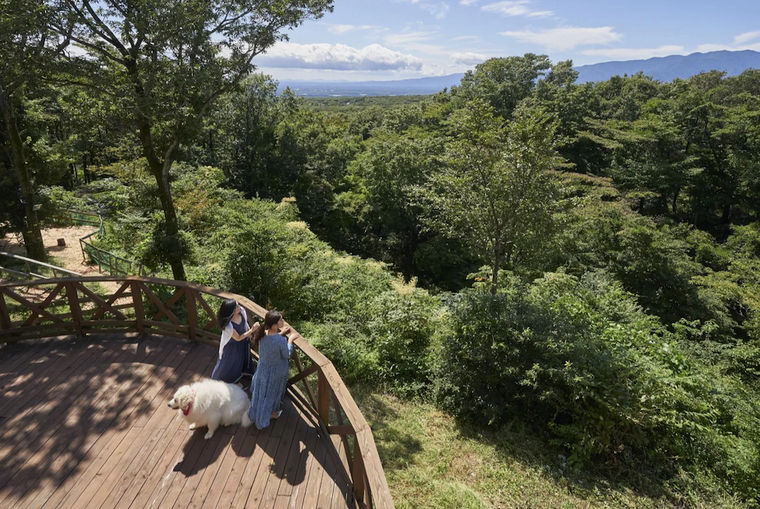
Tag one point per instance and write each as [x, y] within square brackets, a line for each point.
[245, 421]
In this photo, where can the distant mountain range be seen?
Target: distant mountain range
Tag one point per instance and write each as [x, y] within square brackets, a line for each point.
[674, 66]
[659, 68]
[415, 86]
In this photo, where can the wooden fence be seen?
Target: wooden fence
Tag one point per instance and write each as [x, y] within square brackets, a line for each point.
[179, 309]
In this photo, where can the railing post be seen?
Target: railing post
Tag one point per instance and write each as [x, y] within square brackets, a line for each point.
[357, 475]
[192, 316]
[76, 310]
[323, 398]
[5, 319]
[138, 305]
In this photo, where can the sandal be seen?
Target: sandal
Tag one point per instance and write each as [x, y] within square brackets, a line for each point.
[276, 415]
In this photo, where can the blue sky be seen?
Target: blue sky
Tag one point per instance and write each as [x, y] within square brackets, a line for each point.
[398, 39]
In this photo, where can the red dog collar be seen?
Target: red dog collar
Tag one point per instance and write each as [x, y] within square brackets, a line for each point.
[186, 411]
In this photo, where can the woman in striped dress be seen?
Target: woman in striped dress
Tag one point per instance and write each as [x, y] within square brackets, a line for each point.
[268, 385]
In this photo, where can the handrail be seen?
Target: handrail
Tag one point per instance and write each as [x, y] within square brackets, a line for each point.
[31, 261]
[88, 249]
[95, 253]
[137, 306]
[78, 216]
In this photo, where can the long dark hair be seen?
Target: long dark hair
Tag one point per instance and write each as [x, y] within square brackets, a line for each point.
[271, 318]
[226, 312]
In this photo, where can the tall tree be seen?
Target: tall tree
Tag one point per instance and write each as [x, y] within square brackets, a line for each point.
[383, 178]
[168, 62]
[504, 82]
[495, 192]
[27, 49]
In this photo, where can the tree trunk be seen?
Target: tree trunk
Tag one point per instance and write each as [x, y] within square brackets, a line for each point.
[85, 171]
[726, 214]
[160, 171]
[35, 248]
[170, 216]
[674, 205]
[497, 256]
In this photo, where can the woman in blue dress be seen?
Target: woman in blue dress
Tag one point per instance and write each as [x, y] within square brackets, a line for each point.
[234, 347]
[268, 386]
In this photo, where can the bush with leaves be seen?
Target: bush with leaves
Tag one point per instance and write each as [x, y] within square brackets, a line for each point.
[579, 360]
[55, 200]
[402, 323]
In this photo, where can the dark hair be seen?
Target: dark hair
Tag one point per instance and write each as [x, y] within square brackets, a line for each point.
[226, 312]
[271, 318]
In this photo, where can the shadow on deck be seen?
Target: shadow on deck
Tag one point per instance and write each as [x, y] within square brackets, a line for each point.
[85, 424]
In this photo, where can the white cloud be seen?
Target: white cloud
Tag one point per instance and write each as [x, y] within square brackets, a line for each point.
[405, 38]
[562, 39]
[342, 29]
[468, 58]
[755, 46]
[635, 53]
[516, 8]
[742, 41]
[337, 57]
[471, 38]
[704, 48]
[415, 41]
[746, 37]
[467, 2]
[437, 9]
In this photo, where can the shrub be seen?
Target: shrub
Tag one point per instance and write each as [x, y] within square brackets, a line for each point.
[579, 360]
[346, 347]
[402, 323]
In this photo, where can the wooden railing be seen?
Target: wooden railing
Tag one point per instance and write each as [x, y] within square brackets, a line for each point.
[178, 309]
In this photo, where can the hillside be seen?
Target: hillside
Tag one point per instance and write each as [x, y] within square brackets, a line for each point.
[673, 66]
[660, 68]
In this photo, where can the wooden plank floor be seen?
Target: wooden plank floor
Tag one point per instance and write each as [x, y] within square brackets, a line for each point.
[85, 424]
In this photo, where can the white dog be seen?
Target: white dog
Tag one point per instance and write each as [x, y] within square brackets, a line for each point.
[211, 403]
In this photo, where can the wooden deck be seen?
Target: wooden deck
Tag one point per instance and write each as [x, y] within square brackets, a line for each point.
[86, 424]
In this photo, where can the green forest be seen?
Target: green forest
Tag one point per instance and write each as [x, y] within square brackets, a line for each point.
[559, 281]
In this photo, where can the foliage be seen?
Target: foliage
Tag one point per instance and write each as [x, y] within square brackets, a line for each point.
[626, 334]
[403, 322]
[581, 361]
[168, 66]
[503, 82]
[55, 199]
[28, 51]
[432, 460]
[494, 190]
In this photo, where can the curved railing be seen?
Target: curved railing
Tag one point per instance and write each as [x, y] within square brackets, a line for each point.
[179, 309]
[114, 264]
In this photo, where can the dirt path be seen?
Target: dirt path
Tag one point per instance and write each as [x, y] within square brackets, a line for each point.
[68, 257]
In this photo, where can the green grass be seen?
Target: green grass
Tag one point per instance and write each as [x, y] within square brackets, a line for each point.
[432, 461]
